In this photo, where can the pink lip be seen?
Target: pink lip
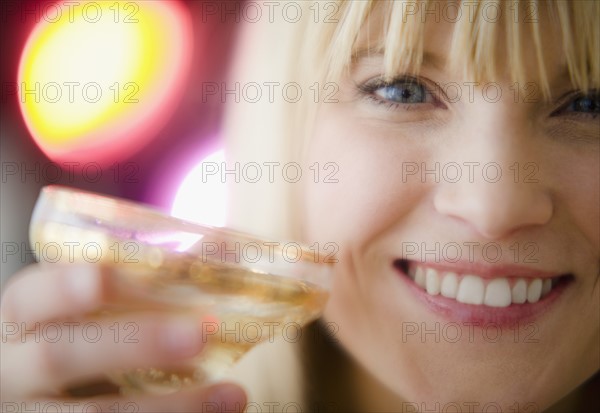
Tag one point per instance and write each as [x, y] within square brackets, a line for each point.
[481, 315]
[486, 270]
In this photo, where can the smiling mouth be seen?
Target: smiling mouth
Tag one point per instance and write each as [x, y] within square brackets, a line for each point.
[473, 289]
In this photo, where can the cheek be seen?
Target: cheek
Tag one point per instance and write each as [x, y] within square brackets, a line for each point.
[368, 196]
[572, 173]
[356, 213]
[582, 195]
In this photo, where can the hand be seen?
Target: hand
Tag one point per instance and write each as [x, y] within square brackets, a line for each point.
[51, 341]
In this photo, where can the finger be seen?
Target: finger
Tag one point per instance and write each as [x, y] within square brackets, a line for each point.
[222, 397]
[49, 292]
[46, 292]
[59, 355]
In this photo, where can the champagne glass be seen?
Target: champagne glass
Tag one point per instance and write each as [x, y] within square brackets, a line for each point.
[245, 290]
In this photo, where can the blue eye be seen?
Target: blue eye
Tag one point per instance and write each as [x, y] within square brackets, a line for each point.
[403, 91]
[586, 104]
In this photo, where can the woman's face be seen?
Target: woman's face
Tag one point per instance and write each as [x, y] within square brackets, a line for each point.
[457, 207]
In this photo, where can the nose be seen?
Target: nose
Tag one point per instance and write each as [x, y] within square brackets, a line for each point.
[507, 192]
[495, 209]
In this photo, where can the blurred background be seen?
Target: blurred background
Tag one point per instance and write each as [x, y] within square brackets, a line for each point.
[153, 125]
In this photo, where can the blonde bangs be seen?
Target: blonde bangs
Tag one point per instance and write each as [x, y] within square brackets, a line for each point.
[475, 40]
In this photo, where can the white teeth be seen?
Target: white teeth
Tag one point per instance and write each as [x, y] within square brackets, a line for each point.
[519, 292]
[432, 281]
[420, 277]
[546, 286]
[449, 285]
[534, 291]
[497, 293]
[470, 290]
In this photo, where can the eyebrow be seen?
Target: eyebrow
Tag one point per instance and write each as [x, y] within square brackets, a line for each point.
[562, 77]
[429, 59]
[434, 60]
[439, 63]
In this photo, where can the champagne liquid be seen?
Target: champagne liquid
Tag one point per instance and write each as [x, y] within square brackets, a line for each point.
[238, 307]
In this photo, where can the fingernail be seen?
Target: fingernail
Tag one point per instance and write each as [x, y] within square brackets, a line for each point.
[84, 282]
[228, 396]
[181, 337]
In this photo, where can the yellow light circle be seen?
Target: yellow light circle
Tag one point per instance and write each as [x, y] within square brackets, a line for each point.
[100, 78]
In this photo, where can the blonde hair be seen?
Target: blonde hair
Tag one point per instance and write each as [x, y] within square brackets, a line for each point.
[475, 38]
[307, 52]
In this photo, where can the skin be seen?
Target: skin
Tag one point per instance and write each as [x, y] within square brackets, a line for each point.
[372, 210]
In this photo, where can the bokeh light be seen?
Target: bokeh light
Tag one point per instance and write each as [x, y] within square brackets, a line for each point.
[98, 80]
[202, 195]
